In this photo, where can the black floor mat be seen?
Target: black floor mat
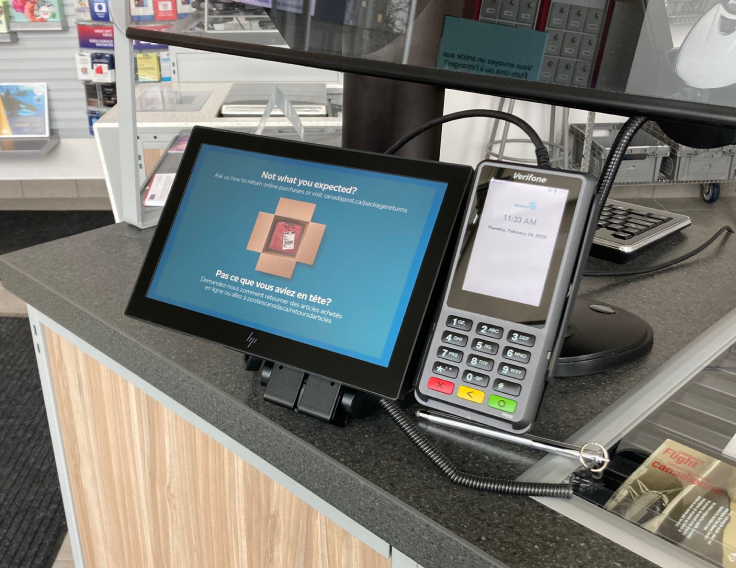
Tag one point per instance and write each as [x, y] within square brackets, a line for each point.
[32, 523]
[23, 229]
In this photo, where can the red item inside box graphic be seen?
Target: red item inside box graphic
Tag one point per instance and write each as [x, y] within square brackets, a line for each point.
[286, 237]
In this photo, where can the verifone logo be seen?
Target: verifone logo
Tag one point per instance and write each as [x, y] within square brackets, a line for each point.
[529, 177]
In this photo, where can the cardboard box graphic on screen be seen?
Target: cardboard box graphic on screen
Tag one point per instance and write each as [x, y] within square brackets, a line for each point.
[286, 237]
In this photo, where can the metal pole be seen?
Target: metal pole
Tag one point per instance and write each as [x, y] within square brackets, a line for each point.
[494, 130]
[409, 31]
[565, 135]
[504, 137]
[552, 134]
[128, 132]
[588, 143]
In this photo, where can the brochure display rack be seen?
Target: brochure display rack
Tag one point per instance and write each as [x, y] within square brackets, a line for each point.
[27, 147]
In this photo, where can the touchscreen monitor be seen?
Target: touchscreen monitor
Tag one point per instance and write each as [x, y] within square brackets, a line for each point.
[314, 257]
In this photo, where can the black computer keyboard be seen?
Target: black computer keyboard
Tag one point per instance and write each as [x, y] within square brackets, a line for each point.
[626, 230]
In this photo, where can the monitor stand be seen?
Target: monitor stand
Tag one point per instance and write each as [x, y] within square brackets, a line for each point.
[313, 395]
[601, 337]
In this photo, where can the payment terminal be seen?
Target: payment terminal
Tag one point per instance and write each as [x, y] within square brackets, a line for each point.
[513, 282]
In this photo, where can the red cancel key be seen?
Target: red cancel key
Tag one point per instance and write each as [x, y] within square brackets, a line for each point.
[445, 387]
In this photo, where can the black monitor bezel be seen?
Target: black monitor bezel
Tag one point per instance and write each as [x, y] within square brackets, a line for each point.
[589, 99]
[384, 381]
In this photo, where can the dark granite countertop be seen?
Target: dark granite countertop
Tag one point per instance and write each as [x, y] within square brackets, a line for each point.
[369, 470]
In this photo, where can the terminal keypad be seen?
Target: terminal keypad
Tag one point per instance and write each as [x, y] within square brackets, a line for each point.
[474, 364]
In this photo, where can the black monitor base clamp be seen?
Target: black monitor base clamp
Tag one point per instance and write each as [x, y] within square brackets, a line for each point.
[312, 395]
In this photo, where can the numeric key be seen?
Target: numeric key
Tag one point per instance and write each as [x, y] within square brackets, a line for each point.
[455, 338]
[513, 371]
[463, 324]
[520, 338]
[476, 379]
[479, 362]
[489, 330]
[484, 346]
[516, 354]
[450, 354]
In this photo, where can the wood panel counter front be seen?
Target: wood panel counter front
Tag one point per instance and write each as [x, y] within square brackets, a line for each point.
[151, 490]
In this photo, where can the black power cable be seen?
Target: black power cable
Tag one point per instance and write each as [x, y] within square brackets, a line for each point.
[678, 260]
[539, 148]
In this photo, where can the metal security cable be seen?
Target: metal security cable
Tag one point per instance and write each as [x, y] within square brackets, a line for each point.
[503, 486]
[616, 155]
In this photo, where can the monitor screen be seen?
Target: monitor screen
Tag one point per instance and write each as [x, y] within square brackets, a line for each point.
[322, 254]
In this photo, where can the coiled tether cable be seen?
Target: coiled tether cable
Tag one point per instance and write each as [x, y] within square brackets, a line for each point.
[479, 482]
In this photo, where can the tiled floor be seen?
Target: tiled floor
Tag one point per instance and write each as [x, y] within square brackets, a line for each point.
[64, 558]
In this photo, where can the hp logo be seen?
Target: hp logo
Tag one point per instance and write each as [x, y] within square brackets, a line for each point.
[251, 340]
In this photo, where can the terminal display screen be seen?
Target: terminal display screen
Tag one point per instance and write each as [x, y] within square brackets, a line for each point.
[512, 249]
[321, 254]
[515, 241]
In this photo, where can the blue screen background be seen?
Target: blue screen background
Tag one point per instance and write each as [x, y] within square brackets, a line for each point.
[367, 262]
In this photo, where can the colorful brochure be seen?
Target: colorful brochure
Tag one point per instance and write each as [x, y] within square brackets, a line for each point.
[159, 189]
[184, 8]
[164, 10]
[100, 11]
[38, 10]
[24, 110]
[82, 10]
[148, 67]
[687, 498]
[103, 67]
[84, 66]
[4, 17]
[141, 10]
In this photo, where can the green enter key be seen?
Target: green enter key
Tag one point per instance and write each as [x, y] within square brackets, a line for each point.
[500, 403]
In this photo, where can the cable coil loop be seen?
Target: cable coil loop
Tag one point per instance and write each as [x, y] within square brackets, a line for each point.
[481, 483]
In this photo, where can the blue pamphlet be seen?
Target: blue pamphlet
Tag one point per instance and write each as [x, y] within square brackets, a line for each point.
[23, 110]
[491, 49]
[100, 11]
